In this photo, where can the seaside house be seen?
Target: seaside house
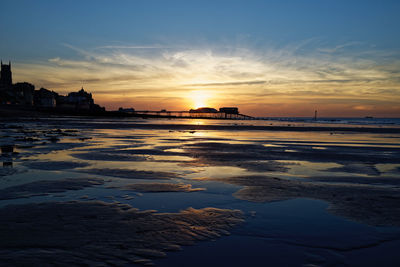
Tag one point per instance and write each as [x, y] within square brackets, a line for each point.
[44, 98]
[24, 92]
[80, 100]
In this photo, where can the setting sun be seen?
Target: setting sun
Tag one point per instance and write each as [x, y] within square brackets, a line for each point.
[199, 99]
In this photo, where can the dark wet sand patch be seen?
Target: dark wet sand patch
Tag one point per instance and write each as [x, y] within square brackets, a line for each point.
[125, 154]
[6, 171]
[149, 151]
[194, 139]
[253, 166]
[161, 187]
[226, 152]
[50, 147]
[46, 138]
[395, 170]
[55, 165]
[39, 133]
[46, 187]
[107, 157]
[109, 149]
[368, 169]
[132, 174]
[97, 233]
[367, 204]
[368, 180]
[138, 138]
[263, 166]
[252, 157]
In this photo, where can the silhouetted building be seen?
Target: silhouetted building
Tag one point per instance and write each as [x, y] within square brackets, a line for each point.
[203, 110]
[15, 94]
[24, 93]
[6, 97]
[229, 110]
[45, 98]
[81, 99]
[5, 75]
[61, 102]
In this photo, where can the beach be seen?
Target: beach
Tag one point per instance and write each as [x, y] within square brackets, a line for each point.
[176, 192]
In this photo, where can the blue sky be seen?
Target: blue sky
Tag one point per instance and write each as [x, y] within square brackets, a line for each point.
[355, 43]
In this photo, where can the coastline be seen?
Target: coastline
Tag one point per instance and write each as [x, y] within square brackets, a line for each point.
[152, 123]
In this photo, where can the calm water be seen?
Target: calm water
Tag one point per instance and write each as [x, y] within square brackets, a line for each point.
[315, 213]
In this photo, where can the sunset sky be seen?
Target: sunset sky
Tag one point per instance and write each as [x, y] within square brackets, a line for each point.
[269, 58]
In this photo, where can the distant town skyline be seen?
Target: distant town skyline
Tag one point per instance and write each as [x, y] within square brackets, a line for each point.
[269, 58]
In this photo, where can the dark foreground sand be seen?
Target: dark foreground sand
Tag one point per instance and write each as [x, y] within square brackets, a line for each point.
[99, 233]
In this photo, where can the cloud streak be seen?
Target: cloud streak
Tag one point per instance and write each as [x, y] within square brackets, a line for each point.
[260, 77]
[227, 83]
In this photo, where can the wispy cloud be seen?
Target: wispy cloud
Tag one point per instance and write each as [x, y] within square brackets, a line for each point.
[257, 75]
[133, 47]
[339, 47]
[227, 83]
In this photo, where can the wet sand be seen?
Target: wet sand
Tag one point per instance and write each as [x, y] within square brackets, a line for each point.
[121, 192]
[367, 204]
[99, 233]
[161, 187]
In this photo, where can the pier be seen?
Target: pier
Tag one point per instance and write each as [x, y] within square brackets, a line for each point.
[189, 114]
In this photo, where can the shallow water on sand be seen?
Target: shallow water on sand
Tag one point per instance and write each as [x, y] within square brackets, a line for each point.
[307, 198]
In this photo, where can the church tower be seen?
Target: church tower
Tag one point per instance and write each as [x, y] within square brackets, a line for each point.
[5, 74]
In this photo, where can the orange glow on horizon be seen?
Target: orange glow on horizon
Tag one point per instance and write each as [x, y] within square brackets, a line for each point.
[199, 99]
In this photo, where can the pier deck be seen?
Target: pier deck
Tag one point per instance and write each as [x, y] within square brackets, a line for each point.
[187, 114]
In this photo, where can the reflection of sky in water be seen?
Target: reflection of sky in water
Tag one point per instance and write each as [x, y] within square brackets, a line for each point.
[338, 122]
[285, 224]
[110, 141]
